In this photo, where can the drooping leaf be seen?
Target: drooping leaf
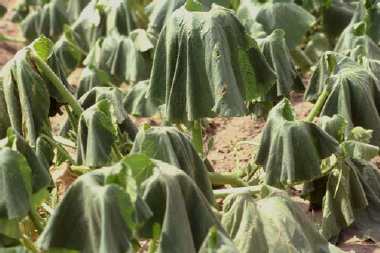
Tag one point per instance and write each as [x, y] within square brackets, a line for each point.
[88, 28]
[357, 45]
[119, 56]
[105, 207]
[68, 54]
[29, 97]
[90, 78]
[75, 7]
[277, 54]
[96, 135]
[120, 16]
[336, 17]
[344, 190]
[136, 103]
[16, 180]
[115, 97]
[367, 220]
[49, 20]
[217, 242]
[274, 14]
[272, 223]
[351, 82]
[21, 187]
[169, 145]
[283, 139]
[40, 171]
[160, 11]
[344, 195]
[220, 66]
[180, 208]
[334, 126]
[317, 45]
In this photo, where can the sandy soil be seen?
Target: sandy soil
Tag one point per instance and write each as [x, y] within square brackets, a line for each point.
[233, 138]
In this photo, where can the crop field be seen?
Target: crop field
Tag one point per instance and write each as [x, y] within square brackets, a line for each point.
[189, 126]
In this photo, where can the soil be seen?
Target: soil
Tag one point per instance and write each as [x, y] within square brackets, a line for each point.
[234, 139]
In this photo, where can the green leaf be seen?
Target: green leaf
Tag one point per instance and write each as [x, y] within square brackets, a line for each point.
[48, 20]
[43, 47]
[272, 15]
[285, 137]
[359, 150]
[255, 225]
[217, 242]
[169, 145]
[226, 66]
[277, 54]
[136, 103]
[350, 82]
[121, 57]
[180, 208]
[106, 215]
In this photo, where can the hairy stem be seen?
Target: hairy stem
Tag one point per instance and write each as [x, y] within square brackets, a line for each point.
[318, 105]
[197, 138]
[225, 192]
[54, 79]
[226, 179]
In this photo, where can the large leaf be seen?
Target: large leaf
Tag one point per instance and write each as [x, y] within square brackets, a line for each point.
[21, 187]
[344, 191]
[356, 44]
[169, 145]
[97, 134]
[136, 103]
[344, 195]
[88, 27]
[68, 54]
[160, 11]
[275, 14]
[120, 16]
[283, 139]
[115, 97]
[272, 223]
[75, 7]
[351, 82]
[217, 242]
[122, 58]
[180, 208]
[49, 20]
[336, 16]
[105, 207]
[367, 220]
[206, 65]
[40, 171]
[29, 97]
[90, 78]
[277, 54]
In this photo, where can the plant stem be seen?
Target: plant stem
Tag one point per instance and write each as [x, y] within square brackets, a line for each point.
[6, 38]
[54, 79]
[318, 105]
[197, 138]
[36, 219]
[225, 192]
[301, 59]
[57, 146]
[223, 179]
